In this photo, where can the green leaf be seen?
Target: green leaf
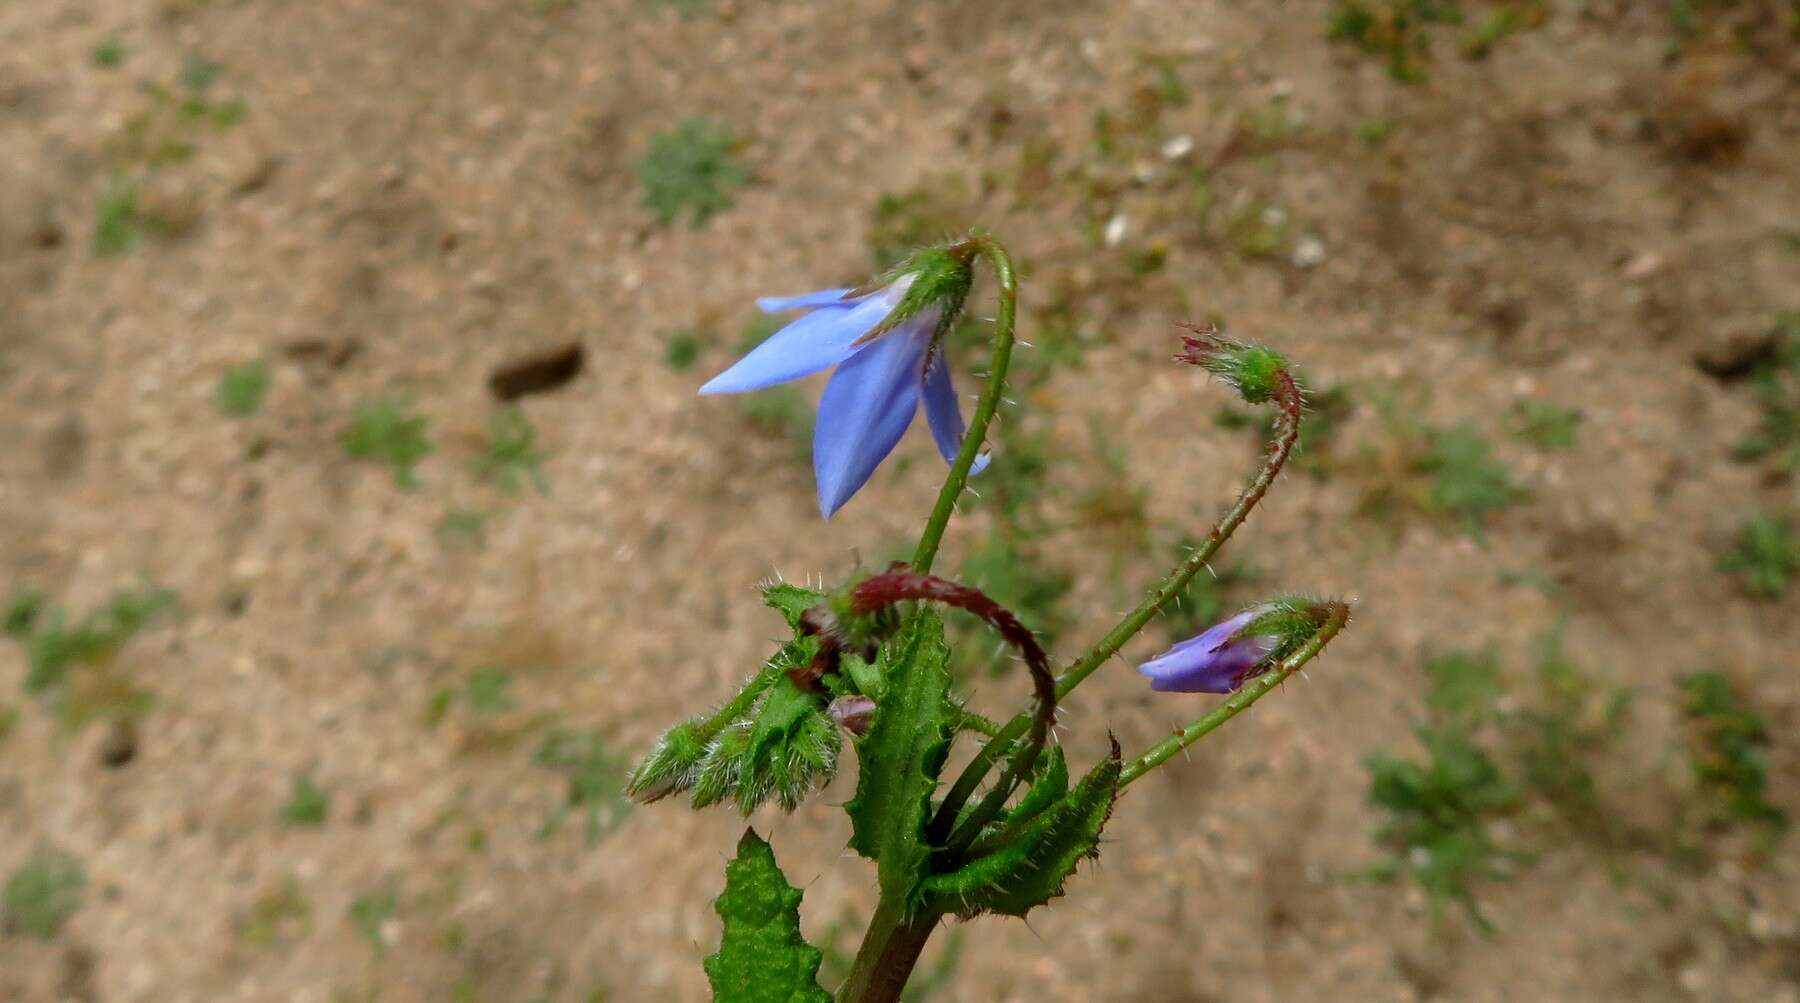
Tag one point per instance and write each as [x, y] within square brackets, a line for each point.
[791, 601]
[44, 892]
[1038, 853]
[762, 958]
[901, 757]
[792, 746]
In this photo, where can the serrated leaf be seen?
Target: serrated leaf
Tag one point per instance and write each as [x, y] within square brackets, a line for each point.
[901, 756]
[790, 600]
[1038, 855]
[762, 957]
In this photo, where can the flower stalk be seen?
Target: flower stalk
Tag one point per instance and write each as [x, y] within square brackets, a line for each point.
[1261, 376]
[1001, 357]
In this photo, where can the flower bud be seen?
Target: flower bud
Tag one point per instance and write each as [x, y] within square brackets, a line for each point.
[853, 714]
[670, 766]
[1228, 653]
[1256, 372]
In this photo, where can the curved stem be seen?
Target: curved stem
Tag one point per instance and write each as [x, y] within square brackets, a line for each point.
[958, 477]
[1239, 700]
[1289, 403]
[900, 583]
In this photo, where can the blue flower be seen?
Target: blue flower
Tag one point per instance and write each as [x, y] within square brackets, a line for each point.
[1217, 661]
[886, 345]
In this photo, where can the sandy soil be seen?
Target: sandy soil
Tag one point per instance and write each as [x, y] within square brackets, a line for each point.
[418, 192]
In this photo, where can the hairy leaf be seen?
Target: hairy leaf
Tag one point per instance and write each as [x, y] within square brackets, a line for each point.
[1037, 853]
[762, 958]
[791, 600]
[901, 757]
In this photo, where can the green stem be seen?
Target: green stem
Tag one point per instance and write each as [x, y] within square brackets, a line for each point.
[736, 706]
[1239, 700]
[890, 950]
[1289, 402]
[958, 478]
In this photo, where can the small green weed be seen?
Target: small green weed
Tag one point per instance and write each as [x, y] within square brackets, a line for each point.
[1543, 424]
[241, 389]
[371, 911]
[22, 610]
[308, 805]
[1438, 814]
[596, 780]
[1439, 809]
[44, 892]
[1730, 745]
[169, 129]
[118, 225]
[1400, 30]
[109, 52]
[54, 649]
[388, 431]
[511, 457]
[691, 169]
[1467, 482]
[1767, 557]
[683, 350]
[489, 690]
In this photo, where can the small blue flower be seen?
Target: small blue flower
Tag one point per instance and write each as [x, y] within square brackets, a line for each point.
[1217, 661]
[880, 381]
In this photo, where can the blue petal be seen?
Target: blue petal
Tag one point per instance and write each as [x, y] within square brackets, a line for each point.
[944, 414]
[817, 341]
[824, 297]
[1217, 634]
[866, 408]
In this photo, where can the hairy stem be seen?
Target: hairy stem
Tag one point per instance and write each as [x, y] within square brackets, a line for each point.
[736, 707]
[958, 477]
[1242, 698]
[1290, 403]
[889, 952]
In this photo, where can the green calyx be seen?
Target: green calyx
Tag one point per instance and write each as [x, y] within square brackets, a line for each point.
[1255, 371]
[941, 278]
[1291, 620]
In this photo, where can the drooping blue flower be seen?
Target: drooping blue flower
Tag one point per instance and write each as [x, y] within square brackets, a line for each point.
[1219, 660]
[886, 343]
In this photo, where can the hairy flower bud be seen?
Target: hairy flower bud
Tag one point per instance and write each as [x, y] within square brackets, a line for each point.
[1228, 653]
[1257, 373]
[671, 764]
[853, 714]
